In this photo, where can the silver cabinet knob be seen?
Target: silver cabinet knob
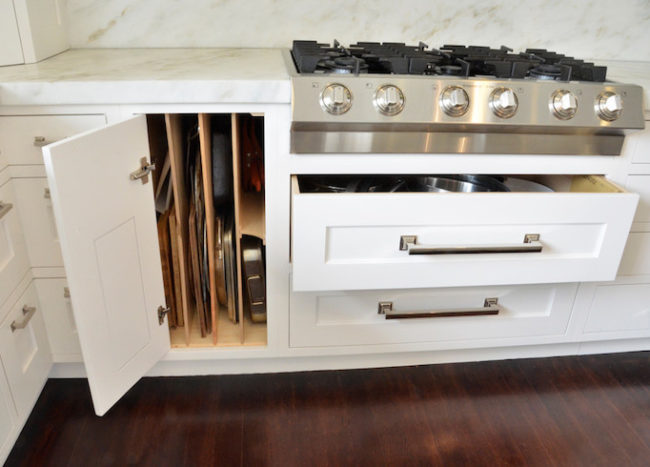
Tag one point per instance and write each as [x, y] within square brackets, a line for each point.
[336, 99]
[563, 104]
[609, 106]
[389, 100]
[503, 102]
[454, 101]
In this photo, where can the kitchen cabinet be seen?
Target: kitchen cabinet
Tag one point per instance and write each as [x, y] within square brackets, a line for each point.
[54, 297]
[11, 51]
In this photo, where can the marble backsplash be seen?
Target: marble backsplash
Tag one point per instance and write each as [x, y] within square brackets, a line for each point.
[604, 29]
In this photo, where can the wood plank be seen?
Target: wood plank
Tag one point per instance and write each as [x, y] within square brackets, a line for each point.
[181, 202]
[565, 411]
[205, 139]
[237, 190]
[175, 241]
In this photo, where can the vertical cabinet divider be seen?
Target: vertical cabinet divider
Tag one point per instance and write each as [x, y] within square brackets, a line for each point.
[181, 207]
[205, 138]
[237, 190]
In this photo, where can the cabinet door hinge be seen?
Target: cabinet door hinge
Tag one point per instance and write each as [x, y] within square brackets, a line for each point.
[143, 172]
[162, 311]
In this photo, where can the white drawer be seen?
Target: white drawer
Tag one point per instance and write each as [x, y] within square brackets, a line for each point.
[526, 315]
[35, 210]
[25, 351]
[639, 143]
[18, 133]
[351, 241]
[13, 254]
[54, 296]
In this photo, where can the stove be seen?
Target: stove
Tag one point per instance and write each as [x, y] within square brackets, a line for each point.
[373, 97]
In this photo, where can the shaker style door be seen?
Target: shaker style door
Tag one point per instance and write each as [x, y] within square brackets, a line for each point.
[107, 229]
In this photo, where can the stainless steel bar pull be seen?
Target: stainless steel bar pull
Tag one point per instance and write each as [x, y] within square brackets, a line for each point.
[28, 313]
[531, 244]
[5, 208]
[490, 307]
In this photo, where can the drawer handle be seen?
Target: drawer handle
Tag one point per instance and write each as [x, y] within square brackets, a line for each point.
[40, 141]
[531, 244]
[66, 292]
[490, 307]
[46, 193]
[5, 208]
[28, 313]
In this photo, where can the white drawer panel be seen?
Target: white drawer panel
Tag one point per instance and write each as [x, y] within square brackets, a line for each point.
[636, 259]
[13, 254]
[25, 352]
[640, 184]
[17, 133]
[37, 216]
[350, 241]
[620, 309]
[352, 318]
[62, 334]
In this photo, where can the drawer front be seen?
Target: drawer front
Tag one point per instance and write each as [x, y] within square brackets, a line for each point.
[526, 314]
[54, 296]
[21, 137]
[37, 217]
[13, 253]
[619, 311]
[351, 241]
[25, 351]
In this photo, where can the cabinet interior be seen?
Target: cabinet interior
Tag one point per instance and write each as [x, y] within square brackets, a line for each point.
[401, 183]
[209, 192]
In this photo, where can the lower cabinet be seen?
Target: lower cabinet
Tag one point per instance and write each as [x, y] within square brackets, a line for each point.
[54, 296]
[614, 310]
[445, 318]
[25, 351]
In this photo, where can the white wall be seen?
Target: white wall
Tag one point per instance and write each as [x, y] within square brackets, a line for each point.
[585, 28]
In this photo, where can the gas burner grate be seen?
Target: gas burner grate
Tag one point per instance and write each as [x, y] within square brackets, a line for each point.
[449, 60]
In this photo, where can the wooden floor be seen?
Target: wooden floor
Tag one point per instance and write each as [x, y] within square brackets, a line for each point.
[592, 410]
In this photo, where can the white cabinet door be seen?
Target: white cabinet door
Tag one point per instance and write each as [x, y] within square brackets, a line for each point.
[107, 230]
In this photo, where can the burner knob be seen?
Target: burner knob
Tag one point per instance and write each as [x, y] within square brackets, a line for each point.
[454, 101]
[563, 104]
[503, 102]
[389, 100]
[336, 99]
[609, 106]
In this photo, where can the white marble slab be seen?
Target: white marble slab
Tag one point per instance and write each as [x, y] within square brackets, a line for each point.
[113, 76]
[609, 29]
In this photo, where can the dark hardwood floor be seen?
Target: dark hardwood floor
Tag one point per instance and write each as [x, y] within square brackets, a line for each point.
[592, 410]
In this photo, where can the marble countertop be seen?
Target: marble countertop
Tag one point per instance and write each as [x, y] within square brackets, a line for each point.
[195, 75]
[115, 76]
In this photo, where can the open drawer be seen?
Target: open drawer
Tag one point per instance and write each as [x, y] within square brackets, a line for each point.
[357, 241]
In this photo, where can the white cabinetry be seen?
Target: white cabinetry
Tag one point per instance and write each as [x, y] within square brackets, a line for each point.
[11, 51]
[13, 254]
[8, 426]
[31, 30]
[54, 296]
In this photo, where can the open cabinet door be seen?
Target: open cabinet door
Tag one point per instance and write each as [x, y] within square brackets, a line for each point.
[107, 228]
